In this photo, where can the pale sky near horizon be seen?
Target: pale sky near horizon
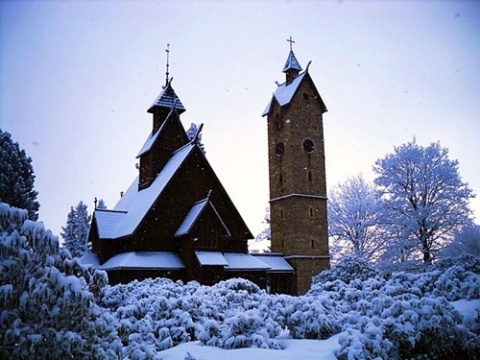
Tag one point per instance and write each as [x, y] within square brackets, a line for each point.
[76, 79]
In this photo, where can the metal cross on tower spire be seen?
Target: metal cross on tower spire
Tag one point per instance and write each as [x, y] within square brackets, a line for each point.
[291, 42]
[167, 50]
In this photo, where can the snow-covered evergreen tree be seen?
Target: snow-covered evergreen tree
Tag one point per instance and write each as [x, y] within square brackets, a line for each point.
[47, 298]
[262, 242]
[75, 232]
[424, 196]
[192, 132]
[354, 217]
[17, 177]
[265, 234]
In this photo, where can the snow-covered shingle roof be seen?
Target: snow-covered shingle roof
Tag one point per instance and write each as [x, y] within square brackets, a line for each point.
[144, 259]
[241, 261]
[135, 204]
[108, 222]
[153, 137]
[285, 92]
[206, 258]
[168, 99]
[292, 63]
[89, 258]
[277, 263]
[149, 142]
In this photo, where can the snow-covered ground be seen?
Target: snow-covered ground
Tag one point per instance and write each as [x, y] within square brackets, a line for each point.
[294, 350]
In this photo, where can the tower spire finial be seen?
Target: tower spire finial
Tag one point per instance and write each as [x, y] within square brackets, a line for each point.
[167, 50]
[291, 43]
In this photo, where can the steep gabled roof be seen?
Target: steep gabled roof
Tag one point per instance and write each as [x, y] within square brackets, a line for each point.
[194, 214]
[135, 204]
[167, 99]
[152, 137]
[285, 92]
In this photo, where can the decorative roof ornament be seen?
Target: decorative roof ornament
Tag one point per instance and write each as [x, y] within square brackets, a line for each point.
[167, 98]
[196, 138]
[167, 50]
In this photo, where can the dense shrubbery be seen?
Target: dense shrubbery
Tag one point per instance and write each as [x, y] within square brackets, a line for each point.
[400, 316]
[157, 314]
[348, 269]
[54, 307]
[47, 298]
[404, 315]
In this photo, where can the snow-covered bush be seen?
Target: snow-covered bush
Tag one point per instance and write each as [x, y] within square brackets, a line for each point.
[152, 315]
[407, 315]
[224, 315]
[47, 308]
[407, 328]
[347, 269]
[249, 329]
[311, 319]
[467, 261]
[404, 315]
[231, 314]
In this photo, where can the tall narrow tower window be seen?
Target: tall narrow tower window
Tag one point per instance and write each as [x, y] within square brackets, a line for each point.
[280, 149]
[308, 146]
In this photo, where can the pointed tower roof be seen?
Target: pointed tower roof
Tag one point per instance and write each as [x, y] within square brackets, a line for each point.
[168, 99]
[292, 63]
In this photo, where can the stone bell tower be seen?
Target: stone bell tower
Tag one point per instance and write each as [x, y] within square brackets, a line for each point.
[298, 192]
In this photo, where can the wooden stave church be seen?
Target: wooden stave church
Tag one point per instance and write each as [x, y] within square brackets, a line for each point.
[176, 220]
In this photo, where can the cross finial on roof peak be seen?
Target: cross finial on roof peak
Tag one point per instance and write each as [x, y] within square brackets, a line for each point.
[167, 50]
[291, 42]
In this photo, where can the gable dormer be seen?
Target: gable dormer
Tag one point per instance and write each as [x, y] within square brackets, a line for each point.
[204, 225]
